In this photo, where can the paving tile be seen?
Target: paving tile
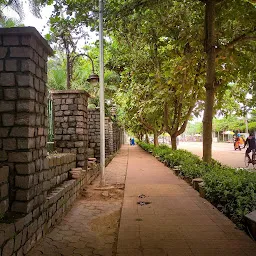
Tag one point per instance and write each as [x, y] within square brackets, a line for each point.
[178, 222]
[180, 252]
[154, 252]
[129, 252]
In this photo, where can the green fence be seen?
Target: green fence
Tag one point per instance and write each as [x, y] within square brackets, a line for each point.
[50, 118]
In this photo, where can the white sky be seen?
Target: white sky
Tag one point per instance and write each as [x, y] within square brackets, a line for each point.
[41, 23]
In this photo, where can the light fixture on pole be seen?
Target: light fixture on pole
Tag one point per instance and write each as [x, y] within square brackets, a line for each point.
[102, 98]
[93, 78]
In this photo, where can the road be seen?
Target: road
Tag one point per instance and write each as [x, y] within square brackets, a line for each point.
[222, 152]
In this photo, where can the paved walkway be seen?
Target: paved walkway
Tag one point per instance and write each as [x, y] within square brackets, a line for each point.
[177, 222]
[90, 228]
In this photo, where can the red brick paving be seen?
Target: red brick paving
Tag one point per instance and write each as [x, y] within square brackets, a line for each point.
[178, 222]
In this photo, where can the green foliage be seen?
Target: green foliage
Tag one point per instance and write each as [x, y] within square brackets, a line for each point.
[232, 190]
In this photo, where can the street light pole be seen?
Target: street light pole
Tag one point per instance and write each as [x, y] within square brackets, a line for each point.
[102, 98]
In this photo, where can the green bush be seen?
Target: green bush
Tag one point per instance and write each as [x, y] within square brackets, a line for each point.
[232, 190]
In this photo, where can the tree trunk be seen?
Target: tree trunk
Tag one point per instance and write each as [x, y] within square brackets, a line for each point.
[147, 138]
[210, 78]
[68, 72]
[174, 142]
[156, 139]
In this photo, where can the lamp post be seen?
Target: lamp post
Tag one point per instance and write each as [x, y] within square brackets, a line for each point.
[94, 79]
[102, 98]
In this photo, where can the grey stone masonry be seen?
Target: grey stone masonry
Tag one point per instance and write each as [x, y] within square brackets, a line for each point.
[23, 114]
[4, 187]
[108, 138]
[19, 236]
[112, 135]
[94, 132]
[59, 166]
[110, 130]
[70, 119]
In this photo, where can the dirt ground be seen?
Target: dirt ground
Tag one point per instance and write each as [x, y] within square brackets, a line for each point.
[90, 228]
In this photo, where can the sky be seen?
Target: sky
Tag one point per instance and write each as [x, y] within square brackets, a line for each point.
[41, 23]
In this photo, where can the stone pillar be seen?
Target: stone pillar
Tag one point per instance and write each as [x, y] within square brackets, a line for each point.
[107, 138]
[115, 127]
[94, 132]
[110, 128]
[23, 114]
[70, 119]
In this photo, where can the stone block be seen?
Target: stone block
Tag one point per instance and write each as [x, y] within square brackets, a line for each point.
[25, 80]
[10, 40]
[250, 220]
[26, 143]
[4, 190]
[22, 132]
[8, 248]
[4, 205]
[19, 224]
[26, 93]
[11, 65]
[20, 157]
[3, 51]
[4, 174]
[6, 106]
[8, 119]
[10, 94]
[25, 194]
[3, 155]
[4, 132]
[7, 79]
[17, 242]
[22, 52]
[9, 144]
[26, 106]
[25, 182]
[26, 119]
[28, 65]
[28, 168]
[22, 207]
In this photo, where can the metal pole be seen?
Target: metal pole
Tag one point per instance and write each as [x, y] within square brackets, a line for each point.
[102, 98]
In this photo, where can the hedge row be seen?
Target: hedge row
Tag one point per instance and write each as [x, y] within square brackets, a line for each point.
[232, 190]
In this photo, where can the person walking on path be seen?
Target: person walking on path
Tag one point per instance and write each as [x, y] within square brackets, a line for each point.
[251, 146]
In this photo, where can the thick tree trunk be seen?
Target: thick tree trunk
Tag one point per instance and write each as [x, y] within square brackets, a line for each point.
[210, 78]
[147, 138]
[156, 139]
[174, 142]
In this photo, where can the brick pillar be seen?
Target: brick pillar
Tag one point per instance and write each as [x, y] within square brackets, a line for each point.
[115, 127]
[94, 132]
[107, 138]
[70, 119]
[23, 114]
[110, 128]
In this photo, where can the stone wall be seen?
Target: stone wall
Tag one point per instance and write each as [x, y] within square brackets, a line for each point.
[59, 167]
[23, 115]
[19, 236]
[70, 107]
[39, 189]
[4, 193]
